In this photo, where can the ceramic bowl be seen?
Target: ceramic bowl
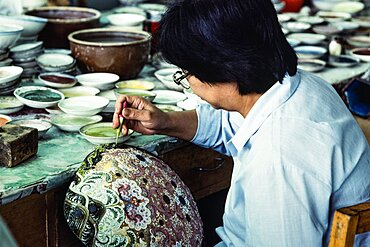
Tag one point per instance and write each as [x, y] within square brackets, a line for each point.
[57, 80]
[297, 26]
[359, 41]
[313, 20]
[357, 94]
[293, 42]
[310, 52]
[4, 119]
[111, 50]
[9, 75]
[26, 50]
[361, 53]
[102, 133]
[83, 105]
[136, 84]
[6, 62]
[31, 25]
[351, 7]
[79, 91]
[9, 34]
[102, 81]
[168, 97]
[38, 97]
[284, 17]
[55, 62]
[165, 76]
[347, 26]
[363, 21]
[325, 5]
[31, 4]
[327, 30]
[307, 38]
[58, 51]
[129, 10]
[42, 126]
[62, 21]
[330, 16]
[10, 104]
[311, 65]
[149, 95]
[343, 61]
[72, 123]
[126, 20]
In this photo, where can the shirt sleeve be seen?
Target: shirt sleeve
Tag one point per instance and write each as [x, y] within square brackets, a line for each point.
[214, 128]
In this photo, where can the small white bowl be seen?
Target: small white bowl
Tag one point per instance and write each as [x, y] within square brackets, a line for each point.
[41, 125]
[313, 20]
[32, 25]
[361, 53]
[149, 95]
[351, 7]
[79, 91]
[4, 119]
[10, 104]
[83, 105]
[54, 62]
[310, 52]
[343, 61]
[38, 97]
[57, 80]
[136, 84]
[165, 76]
[297, 26]
[293, 42]
[102, 133]
[9, 75]
[359, 41]
[72, 123]
[9, 34]
[6, 62]
[102, 81]
[307, 38]
[126, 19]
[311, 65]
[330, 16]
[363, 21]
[347, 26]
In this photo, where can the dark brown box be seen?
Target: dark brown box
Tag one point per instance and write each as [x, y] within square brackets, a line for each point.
[17, 143]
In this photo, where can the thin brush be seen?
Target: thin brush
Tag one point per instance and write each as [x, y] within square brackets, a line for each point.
[120, 116]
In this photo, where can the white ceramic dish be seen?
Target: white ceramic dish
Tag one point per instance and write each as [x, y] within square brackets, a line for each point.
[310, 52]
[325, 5]
[284, 17]
[55, 61]
[293, 42]
[168, 108]
[32, 25]
[58, 51]
[363, 21]
[343, 61]
[126, 19]
[4, 119]
[102, 133]
[9, 34]
[361, 53]
[311, 65]
[54, 110]
[38, 97]
[359, 41]
[6, 62]
[327, 30]
[83, 105]
[168, 97]
[10, 104]
[149, 95]
[313, 20]
[57, 80]
[136, 84]
[351, 7]
[307, 38]
[72, 123]
[109, 94]
[79, 91]
[297, 26]
[330, 16]
[9, 75]
[347, 26]
[26, 47]
[165, 76]
[41, 125]
[102, 81]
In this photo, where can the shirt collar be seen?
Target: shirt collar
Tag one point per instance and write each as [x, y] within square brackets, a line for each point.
[262, 109]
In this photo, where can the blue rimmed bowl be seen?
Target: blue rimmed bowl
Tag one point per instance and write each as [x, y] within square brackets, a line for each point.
[9, 34]
[32, 25]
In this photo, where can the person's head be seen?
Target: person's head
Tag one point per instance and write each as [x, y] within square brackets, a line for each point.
[221, 41]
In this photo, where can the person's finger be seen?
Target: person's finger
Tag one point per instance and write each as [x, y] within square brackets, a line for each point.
[138, 115]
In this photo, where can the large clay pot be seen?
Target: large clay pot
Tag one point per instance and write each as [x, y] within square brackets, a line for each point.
[117, 51]
[123, 196]
[62, 21]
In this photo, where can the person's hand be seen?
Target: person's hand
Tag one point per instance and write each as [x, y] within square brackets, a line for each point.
[139, 115]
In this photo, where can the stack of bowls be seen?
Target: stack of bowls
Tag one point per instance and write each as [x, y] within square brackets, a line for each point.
[62, 21]
[9, 79]
[31, 26]
[56, 62]
[24, 56]
[9, 34]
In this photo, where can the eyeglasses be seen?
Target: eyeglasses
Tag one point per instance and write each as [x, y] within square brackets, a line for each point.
[179, 77]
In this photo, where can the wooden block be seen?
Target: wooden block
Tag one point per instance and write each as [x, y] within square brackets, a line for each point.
[17, 143]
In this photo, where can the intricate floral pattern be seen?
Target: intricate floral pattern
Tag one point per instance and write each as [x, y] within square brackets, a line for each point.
[123, 196]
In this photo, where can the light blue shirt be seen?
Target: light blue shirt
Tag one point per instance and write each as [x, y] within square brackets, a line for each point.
[298, 155]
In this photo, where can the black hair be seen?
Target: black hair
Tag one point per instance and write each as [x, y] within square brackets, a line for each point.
[227, 41]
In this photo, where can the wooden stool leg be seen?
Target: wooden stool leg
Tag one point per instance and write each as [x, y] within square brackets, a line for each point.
[344, 230]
